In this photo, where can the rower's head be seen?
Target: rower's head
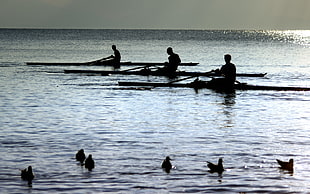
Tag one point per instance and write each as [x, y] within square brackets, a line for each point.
[113, 47]
[169, 51]
[227, 58]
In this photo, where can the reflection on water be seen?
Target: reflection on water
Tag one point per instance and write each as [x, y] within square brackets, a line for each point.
[46, 117]
[228, 102]
[130, 131]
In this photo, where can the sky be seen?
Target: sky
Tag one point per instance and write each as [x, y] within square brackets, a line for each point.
[156, 14]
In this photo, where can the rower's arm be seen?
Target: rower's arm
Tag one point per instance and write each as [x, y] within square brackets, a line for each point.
[109, 57]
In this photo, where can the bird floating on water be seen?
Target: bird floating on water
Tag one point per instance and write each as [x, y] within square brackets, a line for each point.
[166, 165]
[80, 156]
[27, 175]
[286, 165]
[216, 167]
[89, 162]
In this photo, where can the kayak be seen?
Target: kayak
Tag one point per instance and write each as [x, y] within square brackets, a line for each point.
[105, 63]
[160, 73]
[202, 84]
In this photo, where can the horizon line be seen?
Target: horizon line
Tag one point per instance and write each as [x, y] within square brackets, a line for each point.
[172, 29]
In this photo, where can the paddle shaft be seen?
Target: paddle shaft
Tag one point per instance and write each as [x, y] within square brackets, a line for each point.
[138, 68]
[186, 78]
[178, 80]
[96, 61]
[134, 68]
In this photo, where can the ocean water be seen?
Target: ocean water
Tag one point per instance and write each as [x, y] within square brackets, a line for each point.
[46, 116]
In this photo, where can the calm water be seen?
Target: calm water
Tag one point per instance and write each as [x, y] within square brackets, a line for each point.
[46, 116]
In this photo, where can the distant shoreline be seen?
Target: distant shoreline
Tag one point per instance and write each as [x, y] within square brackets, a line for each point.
[149, 29]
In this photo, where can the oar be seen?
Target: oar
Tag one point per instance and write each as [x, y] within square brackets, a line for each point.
[96, 61]
[92, 62]
[187, 78]
[141, 67]
[134, 68]
[178, 80]
[210, 72]
[105, 74]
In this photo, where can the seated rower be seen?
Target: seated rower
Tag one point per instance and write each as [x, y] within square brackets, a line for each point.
[114, 59]
[174, 62]
[229, 72]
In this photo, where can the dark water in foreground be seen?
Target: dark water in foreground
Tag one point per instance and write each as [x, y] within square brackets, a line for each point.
[46, 116]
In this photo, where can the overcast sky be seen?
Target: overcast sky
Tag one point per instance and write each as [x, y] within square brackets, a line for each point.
[156, 14]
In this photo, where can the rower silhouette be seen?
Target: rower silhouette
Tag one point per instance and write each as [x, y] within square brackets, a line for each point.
[115, 59]
[173, 62]
[228, 71]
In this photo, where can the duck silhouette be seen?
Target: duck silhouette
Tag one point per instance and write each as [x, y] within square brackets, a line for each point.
[166, 165]
[27, 175]
[89, 162]
[216, 167]
[286, 165]
[80, 156]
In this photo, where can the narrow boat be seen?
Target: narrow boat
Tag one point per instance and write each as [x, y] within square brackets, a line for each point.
[160, 73]
[203, 84]
[104, 63]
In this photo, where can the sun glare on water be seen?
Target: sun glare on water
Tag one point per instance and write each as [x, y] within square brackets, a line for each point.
[301, 37]
[300, 33]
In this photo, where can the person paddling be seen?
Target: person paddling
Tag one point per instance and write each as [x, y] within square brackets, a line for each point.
[174, 61]
[171, 66]
[229, 72]
[114, 59]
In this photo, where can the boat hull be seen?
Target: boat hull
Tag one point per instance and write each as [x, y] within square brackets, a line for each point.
[159, 73]
[104, 63]
[200, 85]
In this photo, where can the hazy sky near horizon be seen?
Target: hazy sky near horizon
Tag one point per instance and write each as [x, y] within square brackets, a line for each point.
[156, 14]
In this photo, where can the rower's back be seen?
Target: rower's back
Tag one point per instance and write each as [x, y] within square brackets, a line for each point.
[229, 71]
